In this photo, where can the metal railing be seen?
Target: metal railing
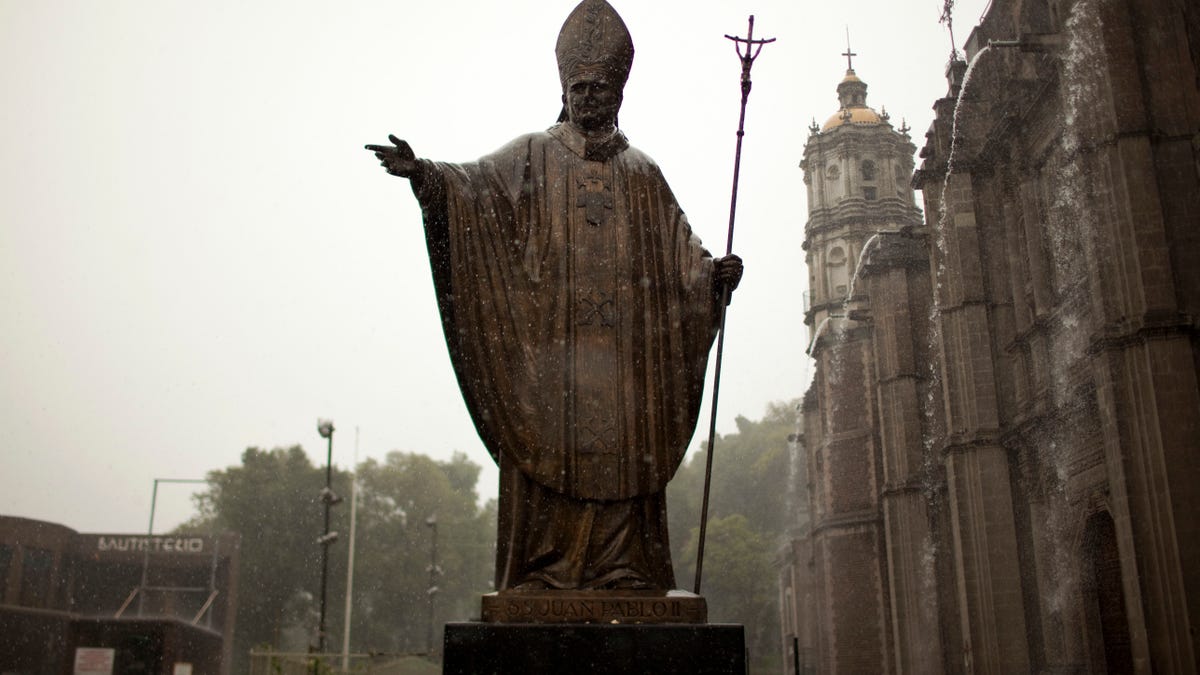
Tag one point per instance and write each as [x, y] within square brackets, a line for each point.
[269, 662]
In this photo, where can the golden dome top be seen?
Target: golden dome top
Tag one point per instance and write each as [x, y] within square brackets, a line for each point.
[857, 117]
[852, 94]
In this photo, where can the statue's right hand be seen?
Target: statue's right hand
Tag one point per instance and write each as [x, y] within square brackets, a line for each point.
[398, 159]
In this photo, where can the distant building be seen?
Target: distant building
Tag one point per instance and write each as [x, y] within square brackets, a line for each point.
[1003, 434]
[143, 604]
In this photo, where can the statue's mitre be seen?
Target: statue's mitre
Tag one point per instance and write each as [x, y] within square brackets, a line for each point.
[594, 38]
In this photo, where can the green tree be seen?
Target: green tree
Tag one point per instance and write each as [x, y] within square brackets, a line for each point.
[272, 501]
[739, 583]
[748, 517]
[399, 497]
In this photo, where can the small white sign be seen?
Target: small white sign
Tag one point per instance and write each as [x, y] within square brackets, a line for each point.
[94, 660]
[182, 669]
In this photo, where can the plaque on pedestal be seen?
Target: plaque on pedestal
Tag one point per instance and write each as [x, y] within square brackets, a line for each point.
[611, 607]
[478, 648]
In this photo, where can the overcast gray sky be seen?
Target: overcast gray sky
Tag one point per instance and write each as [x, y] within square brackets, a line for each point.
[197, 255]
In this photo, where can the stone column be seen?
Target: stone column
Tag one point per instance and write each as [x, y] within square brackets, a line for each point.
[988, 574]
[1145, 356]
[851, 597]
[900, 294]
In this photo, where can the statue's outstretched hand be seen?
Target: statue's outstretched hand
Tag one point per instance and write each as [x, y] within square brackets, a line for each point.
[398, 159]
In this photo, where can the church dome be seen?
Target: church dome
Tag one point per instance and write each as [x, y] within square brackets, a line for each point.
[855, 117]
[852, 94]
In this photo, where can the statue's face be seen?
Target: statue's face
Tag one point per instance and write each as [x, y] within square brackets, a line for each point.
[592, 101]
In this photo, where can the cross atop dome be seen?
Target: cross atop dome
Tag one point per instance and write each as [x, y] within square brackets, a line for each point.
[848, 53]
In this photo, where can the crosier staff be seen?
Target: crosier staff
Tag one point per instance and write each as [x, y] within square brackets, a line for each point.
[752, 49]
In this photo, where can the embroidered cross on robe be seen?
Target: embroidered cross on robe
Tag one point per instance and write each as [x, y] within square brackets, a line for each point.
[596, 200]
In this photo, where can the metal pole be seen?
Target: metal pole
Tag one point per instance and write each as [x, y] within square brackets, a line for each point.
[350, 563]
[753, 47]
[212, 576]
[433, 571]
[150, 533]
[325, 539]
[146, 551]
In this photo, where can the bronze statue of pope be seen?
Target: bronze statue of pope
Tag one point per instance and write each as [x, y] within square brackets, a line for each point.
[579, 309]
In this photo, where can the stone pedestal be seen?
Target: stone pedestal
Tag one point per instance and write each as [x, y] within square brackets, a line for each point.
[478, 648]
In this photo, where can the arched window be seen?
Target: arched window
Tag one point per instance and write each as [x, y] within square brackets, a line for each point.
[837, 256]
[868, 170]
[837, 273]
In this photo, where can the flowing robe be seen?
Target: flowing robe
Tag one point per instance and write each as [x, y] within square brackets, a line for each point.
[578, 308]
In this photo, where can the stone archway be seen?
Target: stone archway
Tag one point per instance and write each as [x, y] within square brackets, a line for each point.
[1107, 622]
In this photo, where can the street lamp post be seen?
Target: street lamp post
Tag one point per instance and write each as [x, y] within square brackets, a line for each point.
[325, 428]
[434, 571]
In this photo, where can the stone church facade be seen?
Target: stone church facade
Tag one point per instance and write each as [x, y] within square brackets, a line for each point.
[1002, 439]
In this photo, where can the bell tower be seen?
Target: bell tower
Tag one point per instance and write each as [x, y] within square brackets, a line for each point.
[862, 218]
[857, 172]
